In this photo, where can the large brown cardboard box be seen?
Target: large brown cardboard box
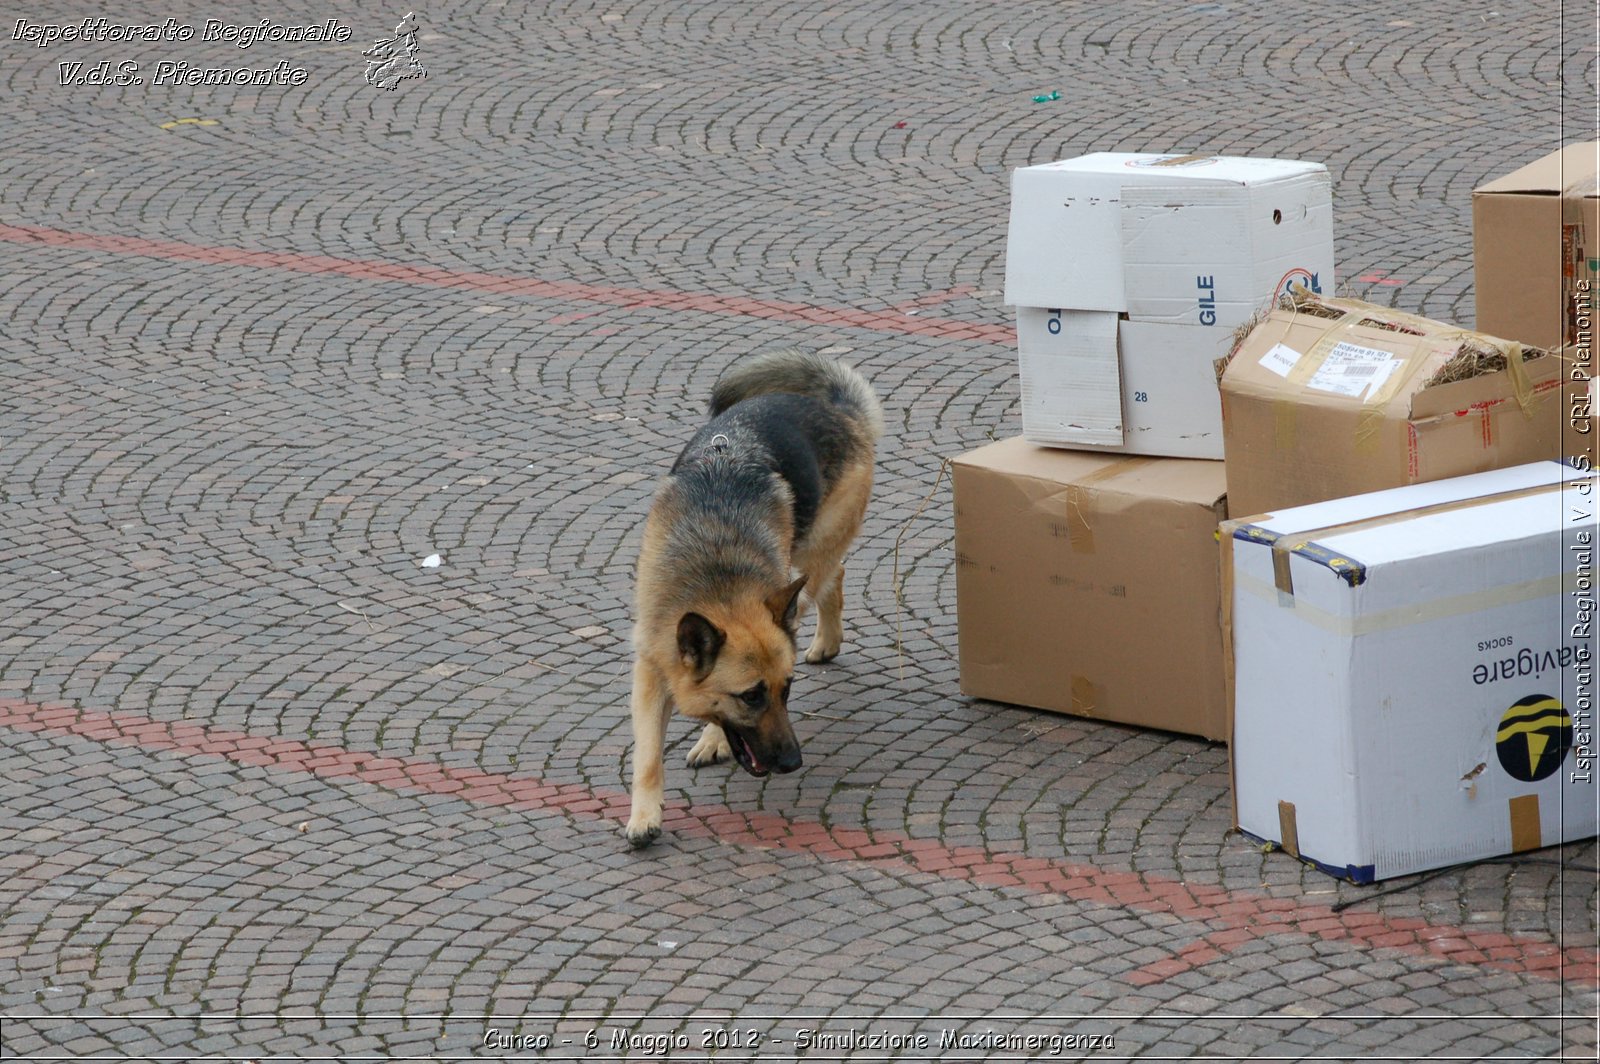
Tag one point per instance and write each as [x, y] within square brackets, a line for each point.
[1536, 248]
[1333, 399]
[1088, 583]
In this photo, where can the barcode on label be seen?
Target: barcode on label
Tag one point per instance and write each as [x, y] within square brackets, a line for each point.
[1353, 371]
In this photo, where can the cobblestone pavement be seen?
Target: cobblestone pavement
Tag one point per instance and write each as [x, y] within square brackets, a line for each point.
[272, 788]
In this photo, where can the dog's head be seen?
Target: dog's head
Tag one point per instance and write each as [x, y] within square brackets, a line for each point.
[737, 665]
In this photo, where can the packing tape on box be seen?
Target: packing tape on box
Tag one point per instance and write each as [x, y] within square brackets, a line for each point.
[1288, 830]
[1525, 833]
[1405, 616]
[1331, 336]
[1518, 373]
[1079, 532]
[1305, 543]
[1282, 578]
[1310, 536]
[1283, 424]
[1447, 343]
[1427, 342]
[1085, 696]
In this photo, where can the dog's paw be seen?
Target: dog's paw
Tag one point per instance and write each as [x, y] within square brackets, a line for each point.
[819, 652]
[643, 829]
[712, 747]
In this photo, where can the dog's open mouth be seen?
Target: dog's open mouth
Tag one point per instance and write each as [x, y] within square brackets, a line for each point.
[744, 753]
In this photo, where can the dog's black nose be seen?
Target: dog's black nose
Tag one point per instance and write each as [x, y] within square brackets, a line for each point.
[788, 759]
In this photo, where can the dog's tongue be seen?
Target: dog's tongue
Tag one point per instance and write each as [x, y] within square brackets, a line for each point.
[751, 754]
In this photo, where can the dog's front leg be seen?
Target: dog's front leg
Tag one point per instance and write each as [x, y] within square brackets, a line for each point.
[651, 708]
[711, 748]
[829, 595]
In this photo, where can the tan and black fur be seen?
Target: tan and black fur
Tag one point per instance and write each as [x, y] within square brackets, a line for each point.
[774, 485]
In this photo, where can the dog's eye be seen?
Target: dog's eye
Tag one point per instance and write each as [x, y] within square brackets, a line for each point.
[755, 696]
[786, 685]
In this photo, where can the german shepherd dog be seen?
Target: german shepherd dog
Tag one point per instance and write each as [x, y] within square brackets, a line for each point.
[775, 483]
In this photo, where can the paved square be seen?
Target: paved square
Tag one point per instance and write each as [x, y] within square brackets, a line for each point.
[271, 787]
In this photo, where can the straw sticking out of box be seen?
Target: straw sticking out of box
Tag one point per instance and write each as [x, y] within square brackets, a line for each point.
[1475, 359]
[1299, 300]
[1478, 355]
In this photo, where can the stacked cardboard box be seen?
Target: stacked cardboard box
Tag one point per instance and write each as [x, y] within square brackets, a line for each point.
[1406, 675]
[1334, 397]
[1536, 249]
[1414, 671]
[1130, 272]
[1087, 582]
[1407, 682]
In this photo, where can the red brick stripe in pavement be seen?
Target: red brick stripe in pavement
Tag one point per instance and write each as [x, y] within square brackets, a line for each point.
[1234, 917]
[893, 321]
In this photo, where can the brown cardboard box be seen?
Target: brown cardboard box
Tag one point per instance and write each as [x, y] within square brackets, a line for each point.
[1087, 583]
[1536, 248]
[1291, 436]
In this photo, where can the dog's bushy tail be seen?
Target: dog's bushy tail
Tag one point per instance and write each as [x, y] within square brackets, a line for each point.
[801, 373]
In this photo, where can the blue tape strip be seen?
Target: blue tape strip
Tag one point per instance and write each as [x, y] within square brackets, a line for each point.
[1361, 875]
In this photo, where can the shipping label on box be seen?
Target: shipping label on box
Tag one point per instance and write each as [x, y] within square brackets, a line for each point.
[1413, 671]
[1070, 219]
[1340, 397]
[1068, 564]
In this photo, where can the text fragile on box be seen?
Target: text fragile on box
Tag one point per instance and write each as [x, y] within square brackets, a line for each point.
[1413, 671]
[1071, 567]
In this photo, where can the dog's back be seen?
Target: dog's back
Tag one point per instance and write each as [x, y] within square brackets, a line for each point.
[808, 419]
[802, 373]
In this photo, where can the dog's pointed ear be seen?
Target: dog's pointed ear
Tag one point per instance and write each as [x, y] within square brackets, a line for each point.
[699, 642]
[785, 604]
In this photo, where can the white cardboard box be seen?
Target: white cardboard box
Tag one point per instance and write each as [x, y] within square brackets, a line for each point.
[1169, 239]
[1413, 671]
[1093, 382]
[1071, 378]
